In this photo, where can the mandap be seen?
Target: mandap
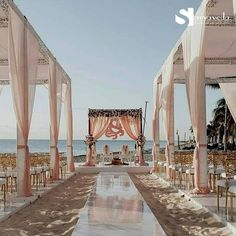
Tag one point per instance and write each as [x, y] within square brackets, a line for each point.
[114, 123]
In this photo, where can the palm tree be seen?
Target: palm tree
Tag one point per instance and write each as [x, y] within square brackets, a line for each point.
[213, 86]
[223, 122]
[219, 114]
[217, 86]
[191, 131]
[211, 133]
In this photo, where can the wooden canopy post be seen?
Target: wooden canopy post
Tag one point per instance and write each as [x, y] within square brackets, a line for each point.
[89, 128]
[90, 143]
[141, 141]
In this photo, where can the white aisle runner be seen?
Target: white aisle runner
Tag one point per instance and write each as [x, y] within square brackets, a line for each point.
[115, 207]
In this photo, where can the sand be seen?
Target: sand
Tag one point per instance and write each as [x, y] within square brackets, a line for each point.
[56, 213]
[176, 214]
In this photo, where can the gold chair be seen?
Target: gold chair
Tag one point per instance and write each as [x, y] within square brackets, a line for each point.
[107, 154]
[174, 167]
[162, 163]
[125, 154]
[187, 170]
[227, 180]
[215, 168]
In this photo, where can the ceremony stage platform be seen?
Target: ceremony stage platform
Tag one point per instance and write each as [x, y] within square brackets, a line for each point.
[112, 168]
[115, 207]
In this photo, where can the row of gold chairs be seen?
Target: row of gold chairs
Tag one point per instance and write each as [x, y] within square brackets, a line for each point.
[182, 168]
[227, 183]
[221, 170]
[40, 172]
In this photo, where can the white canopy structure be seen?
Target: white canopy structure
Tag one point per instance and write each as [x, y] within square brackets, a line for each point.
[204, 54]
[25, 62]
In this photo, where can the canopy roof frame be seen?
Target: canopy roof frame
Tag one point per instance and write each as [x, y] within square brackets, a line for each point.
[213, 62]
[43, 49]
[178, 51]
[46, 70]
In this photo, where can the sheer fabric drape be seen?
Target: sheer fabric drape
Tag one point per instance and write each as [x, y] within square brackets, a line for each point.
[229, 92]
[69, 119]
[194, 66]
[167, 104]
[155, 125]
[23, 58]
[55, 92]
[234, 6]
[132, 127]
[98, 127]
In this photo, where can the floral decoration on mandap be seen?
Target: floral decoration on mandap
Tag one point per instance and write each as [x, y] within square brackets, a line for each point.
[141, 140]
[90, 141]
[114, 112]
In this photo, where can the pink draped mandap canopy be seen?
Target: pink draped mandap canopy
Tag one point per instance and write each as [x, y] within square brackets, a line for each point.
[25, 62]
[114, 123]
[204, 54]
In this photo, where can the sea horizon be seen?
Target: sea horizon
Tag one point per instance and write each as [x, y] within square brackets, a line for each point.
[42, 145]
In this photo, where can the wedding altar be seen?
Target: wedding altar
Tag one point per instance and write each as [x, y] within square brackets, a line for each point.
[114, 123]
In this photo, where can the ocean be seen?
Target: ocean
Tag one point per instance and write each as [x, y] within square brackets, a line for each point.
[42, 145]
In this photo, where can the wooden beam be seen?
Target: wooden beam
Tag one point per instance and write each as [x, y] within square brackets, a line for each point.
[211, 61]
[207, 80]
[41, 61]
[38, 82]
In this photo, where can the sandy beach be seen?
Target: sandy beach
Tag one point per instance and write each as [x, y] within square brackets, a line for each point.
[176, 214]
[56, 213]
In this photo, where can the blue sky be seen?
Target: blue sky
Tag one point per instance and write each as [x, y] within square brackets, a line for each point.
[112, 50]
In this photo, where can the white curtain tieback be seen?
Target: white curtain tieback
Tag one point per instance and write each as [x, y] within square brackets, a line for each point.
[169, 144]
[201, 145]
[22, 146]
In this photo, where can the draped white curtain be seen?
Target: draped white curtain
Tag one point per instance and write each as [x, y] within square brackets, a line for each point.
[194, 66]
[98, 127]
[155, 124]
[234, 6]
[23, 52]
[69, 118]
[55, 93]
[167, 104]
[132, 126]
[229, 92]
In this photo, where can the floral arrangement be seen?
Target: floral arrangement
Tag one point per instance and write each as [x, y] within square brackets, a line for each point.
[114, 112]
[141, 140]
[90, 141]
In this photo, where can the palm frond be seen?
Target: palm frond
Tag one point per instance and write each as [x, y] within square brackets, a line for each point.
[213, 86]
[220, 102]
